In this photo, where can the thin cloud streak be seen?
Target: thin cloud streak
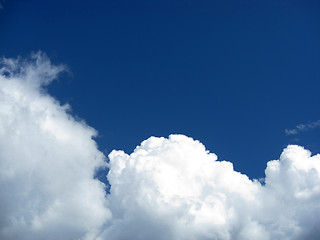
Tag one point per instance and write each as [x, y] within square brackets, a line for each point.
[2, 3]
[303, 128]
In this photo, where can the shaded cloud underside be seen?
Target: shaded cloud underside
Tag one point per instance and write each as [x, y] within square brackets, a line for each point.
[168, 188]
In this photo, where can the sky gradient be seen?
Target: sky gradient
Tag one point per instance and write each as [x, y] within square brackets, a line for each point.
[232, 74]
[184, 83]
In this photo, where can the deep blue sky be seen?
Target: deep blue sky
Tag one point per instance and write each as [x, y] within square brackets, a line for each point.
[232, 74]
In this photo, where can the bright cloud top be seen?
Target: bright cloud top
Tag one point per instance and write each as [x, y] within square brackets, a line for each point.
[175, 189]
[47, 160]
[168, 188]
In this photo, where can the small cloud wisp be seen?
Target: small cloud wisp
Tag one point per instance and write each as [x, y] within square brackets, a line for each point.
[303, 128]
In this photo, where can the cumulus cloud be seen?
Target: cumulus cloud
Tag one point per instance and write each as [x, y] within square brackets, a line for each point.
[175, 189]
[168, 188]
[47, 160]
[303, 128]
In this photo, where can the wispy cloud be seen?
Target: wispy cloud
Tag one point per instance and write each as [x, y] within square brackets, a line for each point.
[303, 128]
[1, 3]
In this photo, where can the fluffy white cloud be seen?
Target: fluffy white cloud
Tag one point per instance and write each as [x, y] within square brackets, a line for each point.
[175, 189]
[168, 188]
[47, 160]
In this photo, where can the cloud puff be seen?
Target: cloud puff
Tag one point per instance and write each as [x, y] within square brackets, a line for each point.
[47, 160]
[303, 128]
[168, 188]
[175, 189]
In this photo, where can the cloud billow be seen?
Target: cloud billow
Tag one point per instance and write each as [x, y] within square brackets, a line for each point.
[47, 160]
[168, 188]
[180, 187]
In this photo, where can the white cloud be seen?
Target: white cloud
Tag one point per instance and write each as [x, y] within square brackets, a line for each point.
[47, 160]
[168, 188]
[303, 128]
[175, 189]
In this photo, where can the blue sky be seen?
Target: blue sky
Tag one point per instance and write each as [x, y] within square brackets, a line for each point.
[232, 74]
[171, 87]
